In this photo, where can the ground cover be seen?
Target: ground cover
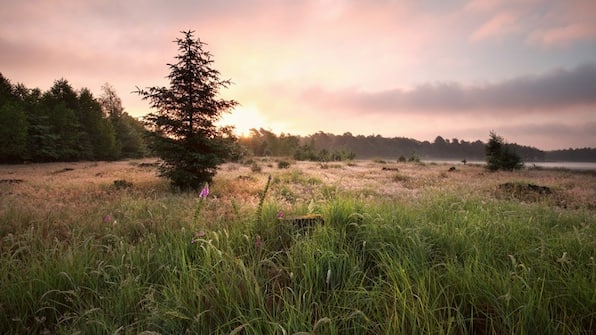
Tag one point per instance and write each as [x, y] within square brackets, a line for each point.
[403, 248]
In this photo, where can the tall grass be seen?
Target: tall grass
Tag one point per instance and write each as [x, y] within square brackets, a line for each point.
[440, 263]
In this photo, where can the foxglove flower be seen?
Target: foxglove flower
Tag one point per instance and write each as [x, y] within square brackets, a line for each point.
[204, 192]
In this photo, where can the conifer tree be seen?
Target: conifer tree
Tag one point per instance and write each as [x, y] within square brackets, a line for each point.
[182, 131]
[500, 156]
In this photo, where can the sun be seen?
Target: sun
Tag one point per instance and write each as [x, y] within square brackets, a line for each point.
[244, 118]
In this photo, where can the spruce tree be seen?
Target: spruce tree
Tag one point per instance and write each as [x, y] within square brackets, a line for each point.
[182, 131]
[500, 156]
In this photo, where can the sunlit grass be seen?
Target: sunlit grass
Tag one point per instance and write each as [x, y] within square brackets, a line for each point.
[443, 255]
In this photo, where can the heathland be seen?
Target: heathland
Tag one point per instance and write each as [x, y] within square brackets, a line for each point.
[388, 248]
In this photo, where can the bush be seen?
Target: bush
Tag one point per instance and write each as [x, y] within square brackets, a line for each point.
[283, 165]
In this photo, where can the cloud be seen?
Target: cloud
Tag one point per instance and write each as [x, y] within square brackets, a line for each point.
[551, 135]
[500, 24]
[549, 23]
[548, 92]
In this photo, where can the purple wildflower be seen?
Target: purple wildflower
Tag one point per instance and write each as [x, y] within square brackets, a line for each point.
[108, 218]
[280, 214]
[204, 192]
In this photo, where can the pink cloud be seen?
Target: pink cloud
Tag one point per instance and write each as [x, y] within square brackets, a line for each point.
[566, 22]
[501, 24]
[563, 35]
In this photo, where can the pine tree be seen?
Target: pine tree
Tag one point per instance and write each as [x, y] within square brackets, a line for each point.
[182, 130]
[500, 156]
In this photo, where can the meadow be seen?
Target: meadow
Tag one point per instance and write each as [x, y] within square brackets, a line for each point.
[405, 248]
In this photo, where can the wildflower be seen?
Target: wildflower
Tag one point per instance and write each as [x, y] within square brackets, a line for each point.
[202, 196]
[280, 214]
[204, 192]
[258, 242]
[108, 218]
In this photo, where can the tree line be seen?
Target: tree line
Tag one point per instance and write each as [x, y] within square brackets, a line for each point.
[62, 124]
[326, 146]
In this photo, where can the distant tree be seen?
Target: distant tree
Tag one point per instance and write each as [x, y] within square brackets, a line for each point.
[130, 134]
[129, 131]
[111, 103]
[41, 138]
[500, 156]
[13, 132]
[183, 131]
[99, 133]
[60, 106]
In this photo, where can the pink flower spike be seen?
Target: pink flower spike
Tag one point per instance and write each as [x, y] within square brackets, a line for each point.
[204, 192]
[280, 214]
[108, 218]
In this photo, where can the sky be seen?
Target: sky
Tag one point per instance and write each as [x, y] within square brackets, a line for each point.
[525, 69]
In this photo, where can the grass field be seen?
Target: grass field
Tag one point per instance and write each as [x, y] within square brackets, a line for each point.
[109, 248]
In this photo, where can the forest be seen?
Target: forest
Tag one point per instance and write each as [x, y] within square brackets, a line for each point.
[64, 124]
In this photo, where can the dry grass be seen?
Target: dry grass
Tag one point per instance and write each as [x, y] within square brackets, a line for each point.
[58, 185]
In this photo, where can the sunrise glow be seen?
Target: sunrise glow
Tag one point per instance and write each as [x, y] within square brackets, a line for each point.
[244, 118]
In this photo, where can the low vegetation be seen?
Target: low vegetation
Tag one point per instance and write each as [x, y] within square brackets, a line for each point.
[409, 249]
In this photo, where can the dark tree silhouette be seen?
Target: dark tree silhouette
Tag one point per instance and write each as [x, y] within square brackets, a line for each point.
[182, 130]
[500, 156]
